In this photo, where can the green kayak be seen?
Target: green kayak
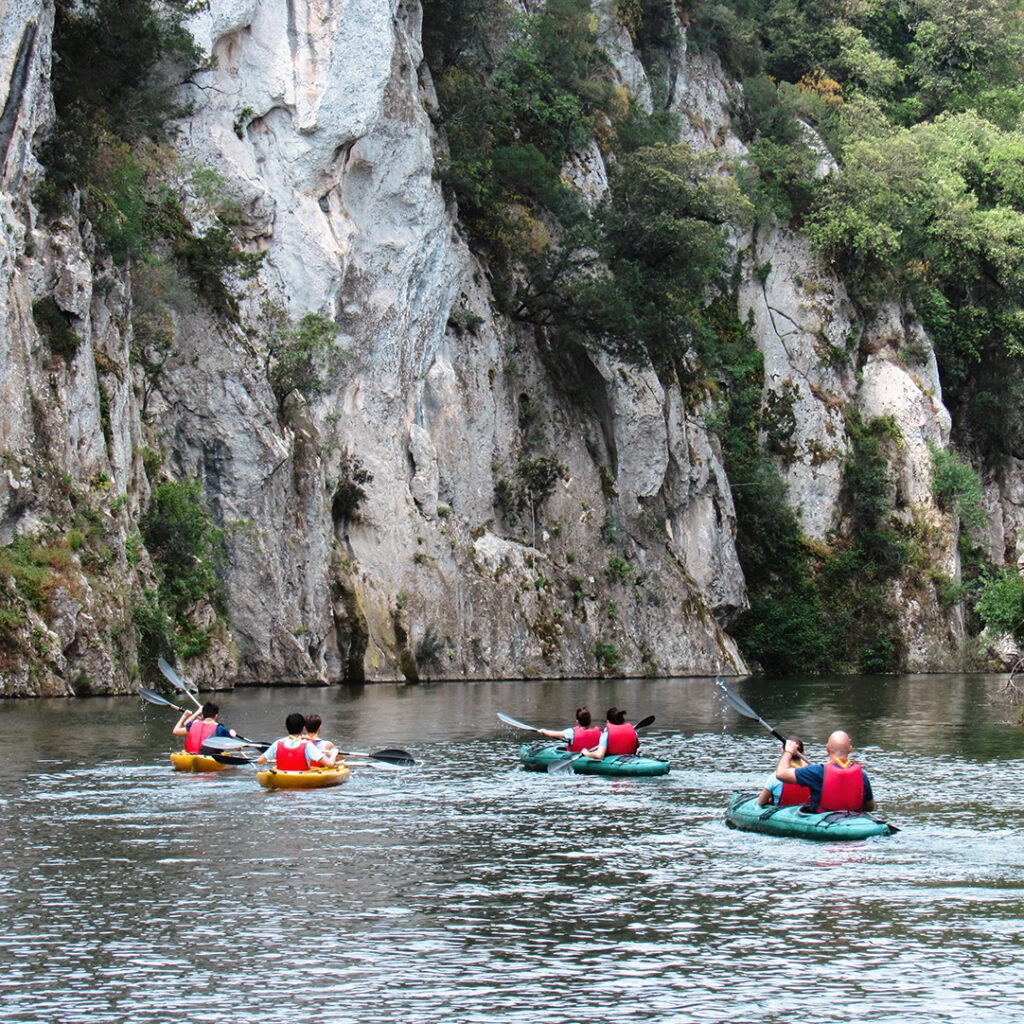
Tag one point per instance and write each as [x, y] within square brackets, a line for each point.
[537, 756]
[747, 814]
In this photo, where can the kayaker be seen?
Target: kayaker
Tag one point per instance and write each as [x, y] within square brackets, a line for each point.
[311, 732]
[783, 794]
[583, 735]
[617, 737]
[837, 785]
[197, 726]
[295, 753]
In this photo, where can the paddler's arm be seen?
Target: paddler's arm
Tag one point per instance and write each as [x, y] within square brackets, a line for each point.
[785, 772]
[597, 753]
[187, 717]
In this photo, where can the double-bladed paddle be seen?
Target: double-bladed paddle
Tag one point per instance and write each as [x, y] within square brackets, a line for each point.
[563, 765]
[176, 681]
[214, 745]
[740, 705]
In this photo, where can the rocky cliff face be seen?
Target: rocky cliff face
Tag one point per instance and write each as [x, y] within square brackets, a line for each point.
[505, 531]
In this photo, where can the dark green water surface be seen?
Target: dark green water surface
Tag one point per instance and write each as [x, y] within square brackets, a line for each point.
[468, 890]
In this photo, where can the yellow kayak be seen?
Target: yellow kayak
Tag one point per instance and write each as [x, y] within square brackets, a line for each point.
[314, 778]
[184, 762]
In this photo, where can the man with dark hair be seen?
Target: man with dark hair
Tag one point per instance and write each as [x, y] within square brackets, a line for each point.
[197, 726]
[295, 753]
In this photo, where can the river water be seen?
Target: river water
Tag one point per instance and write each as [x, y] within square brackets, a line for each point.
[468, 890]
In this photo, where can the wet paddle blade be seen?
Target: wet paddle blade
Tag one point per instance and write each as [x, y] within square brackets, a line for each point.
[740, 705]
[155, 698]
[175, 680]
[223, 743]
[516, 724]
[563, 766]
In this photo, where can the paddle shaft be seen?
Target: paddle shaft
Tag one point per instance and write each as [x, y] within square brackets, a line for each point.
[737, 703]
[176, 681]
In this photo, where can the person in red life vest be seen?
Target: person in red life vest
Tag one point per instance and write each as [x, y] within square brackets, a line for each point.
[785, 793]
[295, 753]
[311, 732]
[837, 785]
[581, 736]
[617, 737]
[197, 726]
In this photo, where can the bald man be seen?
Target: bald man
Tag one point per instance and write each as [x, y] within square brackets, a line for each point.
[837, 785]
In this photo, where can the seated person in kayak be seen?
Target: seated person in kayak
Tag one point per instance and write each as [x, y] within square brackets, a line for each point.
[197, 726]
[617, 737]
[311, 732]
[295, 753]
[783, 794]
[583, 735]
[837, 785]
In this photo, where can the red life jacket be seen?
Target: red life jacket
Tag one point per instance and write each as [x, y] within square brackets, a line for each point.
[793, 794]
[622, 739]
[584, 739]
[843, 788]
[197, 734]
[291, 759]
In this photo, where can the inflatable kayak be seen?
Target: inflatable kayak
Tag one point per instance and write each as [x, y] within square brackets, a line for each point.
[747, 814]
[314, 778]
[184, 762]
[537, 756]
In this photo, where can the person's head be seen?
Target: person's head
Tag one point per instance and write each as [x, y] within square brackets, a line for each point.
[839, 745]
[211, 710]
[583, 717]
[313, 723]
[616, 716]
[799, 744]
[295, 723]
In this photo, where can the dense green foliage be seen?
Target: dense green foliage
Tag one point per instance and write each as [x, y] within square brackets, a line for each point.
[117, 73]
[298, 356]
[813, 608]
[920, 103]
[187, 549]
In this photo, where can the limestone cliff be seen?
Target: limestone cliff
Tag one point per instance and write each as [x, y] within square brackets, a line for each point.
[505, 531]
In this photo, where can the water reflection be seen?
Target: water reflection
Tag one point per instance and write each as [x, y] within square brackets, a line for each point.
[468, 890]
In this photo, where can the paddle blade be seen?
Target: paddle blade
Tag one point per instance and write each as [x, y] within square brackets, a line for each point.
[516, 724]
[399, 758]
[736, 701]
[175, 680]
[563, 766]
[238, 759]
[740, 705]
[222, 743]
[155, 698]
[644, 722]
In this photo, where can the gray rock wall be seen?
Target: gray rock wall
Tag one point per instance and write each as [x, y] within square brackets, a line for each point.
[315, 116]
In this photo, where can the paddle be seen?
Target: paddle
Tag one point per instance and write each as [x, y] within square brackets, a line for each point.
[176, 681]
[155, 698]
[219, 744]
[517, 725]
[740, 705]
[562, 766]
[214, 745]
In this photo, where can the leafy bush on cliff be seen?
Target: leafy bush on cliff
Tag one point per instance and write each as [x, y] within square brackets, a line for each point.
[187, 548]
